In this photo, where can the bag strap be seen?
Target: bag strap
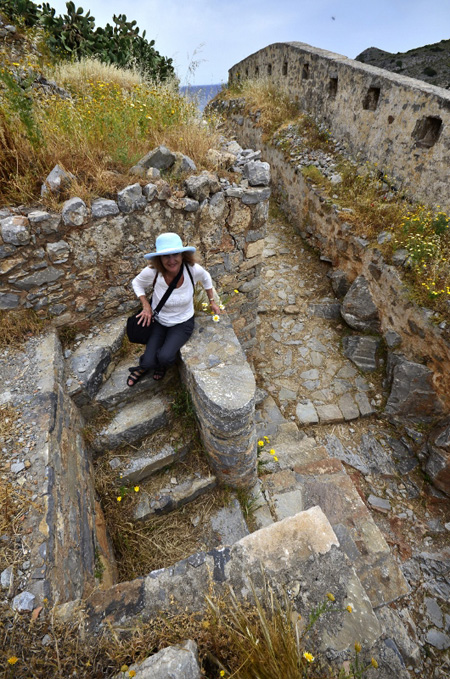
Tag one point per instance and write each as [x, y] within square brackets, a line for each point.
[168, 292]
[190, 276]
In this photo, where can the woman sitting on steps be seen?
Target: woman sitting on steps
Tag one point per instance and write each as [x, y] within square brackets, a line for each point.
[175, 321]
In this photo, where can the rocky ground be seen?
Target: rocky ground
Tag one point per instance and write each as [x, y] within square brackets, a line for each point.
[300, 362]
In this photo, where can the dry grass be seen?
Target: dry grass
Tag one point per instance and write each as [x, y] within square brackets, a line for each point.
[18, 326]
[262, 95]
[112, 120]
[163, 540]
[76, 76]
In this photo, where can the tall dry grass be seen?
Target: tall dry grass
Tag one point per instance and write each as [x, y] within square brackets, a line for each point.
[276, 108]
[113, 118]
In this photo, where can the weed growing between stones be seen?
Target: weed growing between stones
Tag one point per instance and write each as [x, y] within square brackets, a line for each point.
[274, 107]
[19, 326]
[266, 639]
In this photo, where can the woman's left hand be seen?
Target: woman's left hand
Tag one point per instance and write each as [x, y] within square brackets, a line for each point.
[214, 307]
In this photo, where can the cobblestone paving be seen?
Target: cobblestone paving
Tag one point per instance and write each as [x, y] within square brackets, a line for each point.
[316, 406]
[299, 357]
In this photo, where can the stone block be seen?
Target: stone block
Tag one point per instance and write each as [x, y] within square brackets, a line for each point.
[132, 423]
[224, 406]
[254, 249]
[254, 196]
[287, 504]
[9, 300]
[160, 158]
[176, 497]
[348, 407]
[362, 351]
[58, 252]
[15, 230]
[412, 391]
[329, 414]
[42, 277]
[257, 173]
[180, 662]
[104, 208]
[359, 310]
[89, 362]
[57, 181]
[147, 462]
[306, 413]
[74, 212]
[131, 198]
[228, 524]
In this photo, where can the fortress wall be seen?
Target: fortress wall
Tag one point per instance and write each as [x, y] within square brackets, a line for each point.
[325, 228]
[400, 123]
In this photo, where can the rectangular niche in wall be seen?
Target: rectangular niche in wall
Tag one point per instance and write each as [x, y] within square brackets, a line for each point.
[305, 72]
[370, 102]
[427, 131]
[246, 72]
[332, 88]
[269, 69]
[256, 71]
[285, 68]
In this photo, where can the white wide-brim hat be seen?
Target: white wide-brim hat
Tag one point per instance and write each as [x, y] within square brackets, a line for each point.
[169, 244]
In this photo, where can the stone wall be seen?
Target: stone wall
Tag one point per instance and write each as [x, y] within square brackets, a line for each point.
[78, 265]
[325, 227]
[399, 123]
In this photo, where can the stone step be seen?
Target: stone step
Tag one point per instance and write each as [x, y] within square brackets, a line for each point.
[132, 423]
[293, 447]
[87, 366]
[300, 555]
[324, 483]
[170, 499]
[228, 525]
[115, 390]
[147, 462]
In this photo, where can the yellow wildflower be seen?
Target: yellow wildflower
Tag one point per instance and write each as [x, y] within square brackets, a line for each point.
[222, 673]
[374, 663]
[349, 608]
[308, 656]
[275, 458]
[124, 668]
[131, 673]
[272, 451]
[136, 489]
[330, 596]
[261, 444]
[12, 660]
[237, 292]
[119, 499]
[357, 647]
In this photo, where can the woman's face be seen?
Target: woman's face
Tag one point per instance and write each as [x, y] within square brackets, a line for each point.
[172, 263]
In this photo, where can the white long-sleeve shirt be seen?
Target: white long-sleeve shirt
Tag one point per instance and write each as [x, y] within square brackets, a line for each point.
[180, 305]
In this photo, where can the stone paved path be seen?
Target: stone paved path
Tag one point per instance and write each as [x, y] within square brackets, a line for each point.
[315, 406]
[299, 358]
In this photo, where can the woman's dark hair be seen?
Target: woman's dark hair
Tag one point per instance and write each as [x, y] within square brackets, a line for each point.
[156, 263]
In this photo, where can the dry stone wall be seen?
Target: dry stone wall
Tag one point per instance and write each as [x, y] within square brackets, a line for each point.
[78, 265]
[325, 227]
[400, 123]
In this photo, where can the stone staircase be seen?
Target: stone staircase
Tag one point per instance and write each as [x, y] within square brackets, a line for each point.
[313, 532]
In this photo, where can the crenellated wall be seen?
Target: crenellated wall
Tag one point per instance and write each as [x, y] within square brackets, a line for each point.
[399, 123]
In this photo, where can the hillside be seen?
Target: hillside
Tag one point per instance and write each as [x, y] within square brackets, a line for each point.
[430, 62]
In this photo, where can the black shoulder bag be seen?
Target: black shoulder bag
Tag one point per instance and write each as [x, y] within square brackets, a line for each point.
[140, 334]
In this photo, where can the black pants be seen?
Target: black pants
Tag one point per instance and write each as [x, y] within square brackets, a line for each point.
[164, 344]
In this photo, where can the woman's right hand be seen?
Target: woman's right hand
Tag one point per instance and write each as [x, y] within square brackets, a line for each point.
[145, 317]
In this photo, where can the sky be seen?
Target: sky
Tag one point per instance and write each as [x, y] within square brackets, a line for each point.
[206, 37]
